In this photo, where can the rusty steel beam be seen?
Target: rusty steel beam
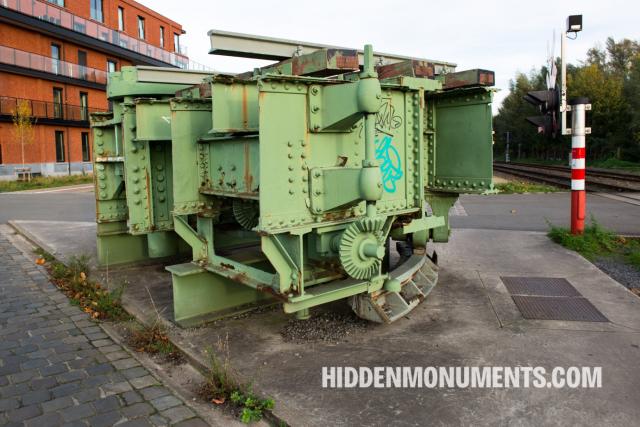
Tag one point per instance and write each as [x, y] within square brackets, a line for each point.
[408, 68]
[321, 63]
[467, 78]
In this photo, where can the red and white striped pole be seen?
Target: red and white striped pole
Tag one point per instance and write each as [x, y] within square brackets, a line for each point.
[578, 154]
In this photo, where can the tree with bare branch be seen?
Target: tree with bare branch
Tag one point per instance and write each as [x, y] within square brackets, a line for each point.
[23, 123]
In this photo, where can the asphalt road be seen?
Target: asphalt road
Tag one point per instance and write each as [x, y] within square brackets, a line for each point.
[532, 212]
[527, 212]
[54, 206]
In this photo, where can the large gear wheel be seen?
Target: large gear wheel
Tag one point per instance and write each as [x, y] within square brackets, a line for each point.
[362, 248]
[246, 212]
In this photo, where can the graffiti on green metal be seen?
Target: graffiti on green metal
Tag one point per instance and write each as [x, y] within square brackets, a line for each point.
[386, 118]
[390, 162]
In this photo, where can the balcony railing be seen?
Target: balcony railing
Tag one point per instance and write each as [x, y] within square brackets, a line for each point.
[33, 61]
[48, 110]
[55, 15]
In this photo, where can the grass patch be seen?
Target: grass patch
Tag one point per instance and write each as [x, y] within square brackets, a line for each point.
[153, 339]
[223, 387]
[74, 281]
[598, 242]
[44, 255]
[45, 182]
[613, 163]
[519, 187]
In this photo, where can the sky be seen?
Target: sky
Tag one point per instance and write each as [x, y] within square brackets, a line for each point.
[503, 36]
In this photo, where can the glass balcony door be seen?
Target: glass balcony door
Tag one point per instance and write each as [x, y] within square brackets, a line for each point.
[82, 64]
[57, 103]
[55, 58]
[84, 106]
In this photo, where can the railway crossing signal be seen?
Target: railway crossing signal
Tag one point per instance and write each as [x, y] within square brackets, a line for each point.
[552, 104]
[548, 103]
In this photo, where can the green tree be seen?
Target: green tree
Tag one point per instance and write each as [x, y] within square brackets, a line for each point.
[512, 118]
[631, 92]
[621, 54]
[609, 109]
[610, 78]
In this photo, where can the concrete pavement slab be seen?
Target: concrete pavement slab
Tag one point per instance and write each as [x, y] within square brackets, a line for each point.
[468, 320]
[79, 236]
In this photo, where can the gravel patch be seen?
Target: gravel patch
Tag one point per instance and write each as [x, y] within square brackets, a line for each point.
[328, 326]
[619, 271]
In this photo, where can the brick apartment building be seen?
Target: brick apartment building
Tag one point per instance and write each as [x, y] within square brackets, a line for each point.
[56, 54]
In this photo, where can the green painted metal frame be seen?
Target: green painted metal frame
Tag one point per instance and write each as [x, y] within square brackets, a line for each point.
[314, 154]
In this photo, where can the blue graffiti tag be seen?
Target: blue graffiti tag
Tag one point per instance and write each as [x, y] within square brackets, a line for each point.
[390, 163]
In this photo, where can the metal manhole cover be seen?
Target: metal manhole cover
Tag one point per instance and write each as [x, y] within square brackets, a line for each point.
[540, 286]
[558, 308]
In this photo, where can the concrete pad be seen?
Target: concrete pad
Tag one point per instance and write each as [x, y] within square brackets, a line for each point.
[63, 239]
[468, 320]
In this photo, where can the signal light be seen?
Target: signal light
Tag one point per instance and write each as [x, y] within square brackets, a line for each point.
[548, 104]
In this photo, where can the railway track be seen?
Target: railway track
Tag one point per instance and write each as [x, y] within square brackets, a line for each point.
[597, 180]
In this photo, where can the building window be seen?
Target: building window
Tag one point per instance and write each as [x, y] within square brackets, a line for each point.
[141, 27]
[0, 154]
[120, 18]
[84, 106]
[57, 103]
[82, 64]
[162, 37]
[96, 10]
[58, 2]
[59, 146]
[55, 58]
[112, 66]
[86, 156]
[176, 42]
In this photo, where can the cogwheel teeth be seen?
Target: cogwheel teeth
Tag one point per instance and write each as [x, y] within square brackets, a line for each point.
[357, 233]
[246, 212]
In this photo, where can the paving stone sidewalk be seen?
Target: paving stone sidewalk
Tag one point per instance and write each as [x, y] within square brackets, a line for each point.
[58, 367]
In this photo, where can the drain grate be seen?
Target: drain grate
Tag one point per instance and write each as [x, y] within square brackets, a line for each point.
[558, 308]
[550, 298]
[540, 286]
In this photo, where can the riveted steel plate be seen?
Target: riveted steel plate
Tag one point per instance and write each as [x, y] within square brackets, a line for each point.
[558, 308]
[540, 286]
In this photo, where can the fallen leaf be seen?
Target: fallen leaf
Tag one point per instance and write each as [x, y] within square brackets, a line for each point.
[218, 401]
[95, 315]
[40, 261]
[513, 211]
[83, 276]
